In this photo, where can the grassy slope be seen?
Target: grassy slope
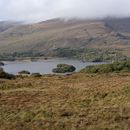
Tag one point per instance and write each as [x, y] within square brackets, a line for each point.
[75, 102]
[49, 35]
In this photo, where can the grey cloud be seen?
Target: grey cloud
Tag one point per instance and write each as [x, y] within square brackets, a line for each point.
[37, 10]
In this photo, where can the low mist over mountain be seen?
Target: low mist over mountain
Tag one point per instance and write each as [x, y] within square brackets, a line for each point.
[40, 10]
[64, 64]
[75, 28]
[4, 25]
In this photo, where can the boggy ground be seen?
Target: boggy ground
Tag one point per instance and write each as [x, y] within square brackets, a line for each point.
[74, 102]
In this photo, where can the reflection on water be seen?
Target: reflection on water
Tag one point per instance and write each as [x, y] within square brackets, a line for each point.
[43, 66]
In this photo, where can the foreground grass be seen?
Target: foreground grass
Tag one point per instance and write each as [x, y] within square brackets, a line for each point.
[75, 102]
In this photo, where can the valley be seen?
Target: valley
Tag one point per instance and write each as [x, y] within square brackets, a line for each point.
[91, 97]
[56, 38]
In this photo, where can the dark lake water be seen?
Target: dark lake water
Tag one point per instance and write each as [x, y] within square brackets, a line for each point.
[43, 66]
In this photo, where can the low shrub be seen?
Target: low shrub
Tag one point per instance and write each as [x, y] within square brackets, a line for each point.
[36, 75]
[24, 72]
[123, 66]
[5, 75]
[1, 63]
[64, 68]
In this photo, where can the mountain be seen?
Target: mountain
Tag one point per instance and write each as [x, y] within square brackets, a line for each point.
[47, 36]
[5, 25]
[119, 25]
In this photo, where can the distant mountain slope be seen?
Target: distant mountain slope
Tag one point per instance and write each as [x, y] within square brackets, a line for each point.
[119, 25]
[47, 36]
[5, 25]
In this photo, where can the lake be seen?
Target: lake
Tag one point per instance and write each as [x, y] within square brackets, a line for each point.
[43, 66]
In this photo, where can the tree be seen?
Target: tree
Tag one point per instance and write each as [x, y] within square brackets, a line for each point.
[5, 75]
[24, 72]
[1, 63]
[64, 68]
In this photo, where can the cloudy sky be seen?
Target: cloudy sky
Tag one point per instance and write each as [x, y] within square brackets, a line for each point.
[38, 10]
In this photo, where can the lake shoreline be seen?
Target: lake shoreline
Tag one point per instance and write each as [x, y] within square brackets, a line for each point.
[39, 59]
[46, 58]
[27, 59]
[43, 66]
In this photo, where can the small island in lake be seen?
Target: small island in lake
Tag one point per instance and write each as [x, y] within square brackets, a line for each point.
[64, 68]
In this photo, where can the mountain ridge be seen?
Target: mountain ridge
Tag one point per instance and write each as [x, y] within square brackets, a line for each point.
[44, 37]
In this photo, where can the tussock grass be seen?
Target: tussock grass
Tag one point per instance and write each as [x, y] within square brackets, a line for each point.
[75, 102]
